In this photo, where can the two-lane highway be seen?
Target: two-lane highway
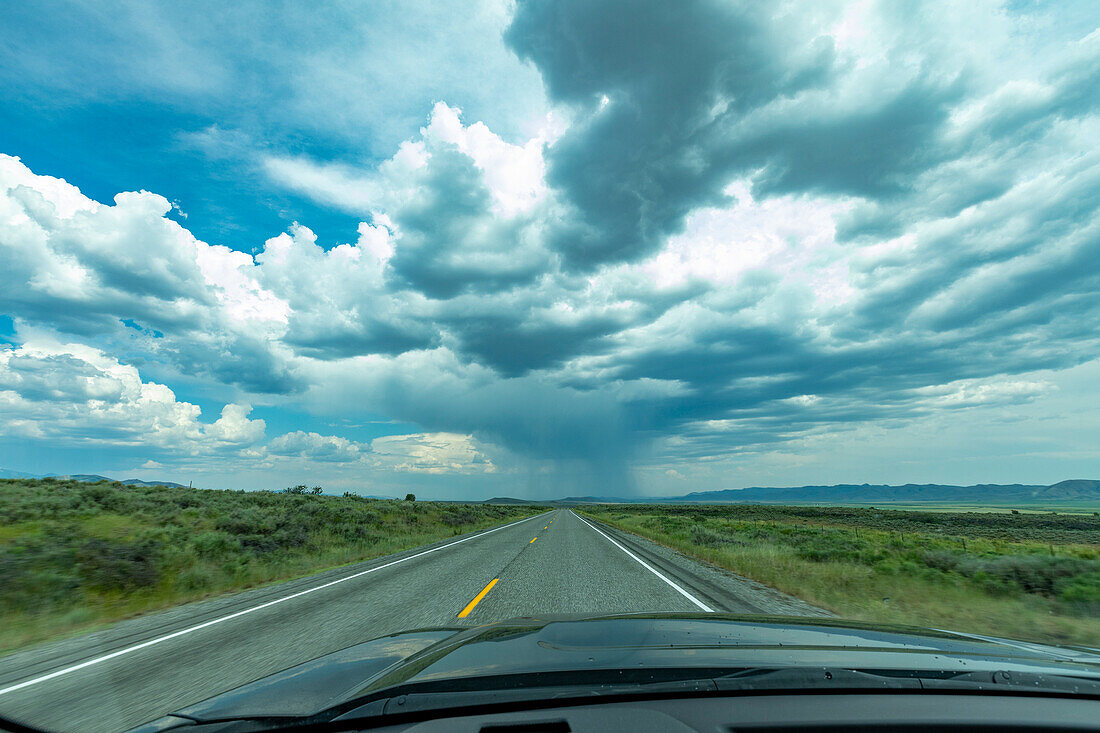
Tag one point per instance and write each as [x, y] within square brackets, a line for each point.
[553, 563]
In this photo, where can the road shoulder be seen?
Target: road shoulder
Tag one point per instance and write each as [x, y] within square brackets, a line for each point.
[721, 589]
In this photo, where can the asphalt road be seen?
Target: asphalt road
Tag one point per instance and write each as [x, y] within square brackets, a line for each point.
[553, 563]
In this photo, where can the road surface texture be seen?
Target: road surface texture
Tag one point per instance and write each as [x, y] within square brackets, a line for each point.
[557, 562]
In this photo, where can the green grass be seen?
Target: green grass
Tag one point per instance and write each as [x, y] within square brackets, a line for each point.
[1026, 576]
[74, 556]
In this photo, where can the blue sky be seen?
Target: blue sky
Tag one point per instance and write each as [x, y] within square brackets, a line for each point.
[550, 248]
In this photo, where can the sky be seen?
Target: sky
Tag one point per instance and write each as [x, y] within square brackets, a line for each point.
[539, 249]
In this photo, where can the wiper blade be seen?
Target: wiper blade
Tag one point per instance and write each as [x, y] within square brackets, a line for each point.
[421, 698]
[804, 678]
[818, 679]
[1017, 682]
[419, 702]
[828, 678]
[412, 699]
[462, 692]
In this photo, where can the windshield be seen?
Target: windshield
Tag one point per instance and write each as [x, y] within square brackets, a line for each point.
[323, 324]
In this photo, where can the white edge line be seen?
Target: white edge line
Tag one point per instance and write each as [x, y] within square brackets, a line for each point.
[188, 630]
[648, 567]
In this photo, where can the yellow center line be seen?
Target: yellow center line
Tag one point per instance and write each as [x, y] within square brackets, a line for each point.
[477, 599]
[533, 539]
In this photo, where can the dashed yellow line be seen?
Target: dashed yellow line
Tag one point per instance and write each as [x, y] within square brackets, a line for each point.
[533, 539]
[477, 599]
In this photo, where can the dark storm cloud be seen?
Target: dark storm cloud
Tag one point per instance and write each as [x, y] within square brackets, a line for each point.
[633, 168]
[874, 152]
[549, 421]
[372, 337]
[515, 345]
[536, 418]
[450, 243]
[533, 418]
[687, 88]
[515, 333]
[1027, 253]
[246, 361]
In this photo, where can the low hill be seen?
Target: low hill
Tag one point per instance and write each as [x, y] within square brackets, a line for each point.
[92, 478]
[86, 478]
[7, 473]
[1078, 489]
[1075, 490]
[139, 482]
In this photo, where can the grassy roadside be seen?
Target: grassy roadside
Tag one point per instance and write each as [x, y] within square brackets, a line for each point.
[958, 507]
[74, 556]
[1026, 576]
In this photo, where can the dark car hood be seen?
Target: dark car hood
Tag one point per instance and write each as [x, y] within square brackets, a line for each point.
[560, 644]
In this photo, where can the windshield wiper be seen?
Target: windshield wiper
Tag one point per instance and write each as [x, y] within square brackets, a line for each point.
[828, 678]
[562, 688]
[424, 697]
[418, 700]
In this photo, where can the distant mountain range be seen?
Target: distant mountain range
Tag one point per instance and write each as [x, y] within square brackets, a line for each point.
[87, 477]
[1073, 490]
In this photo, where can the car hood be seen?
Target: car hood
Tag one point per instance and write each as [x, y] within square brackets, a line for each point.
[556, 644]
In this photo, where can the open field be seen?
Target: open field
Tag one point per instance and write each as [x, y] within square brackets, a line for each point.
[76, 555]
[1028, 575]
